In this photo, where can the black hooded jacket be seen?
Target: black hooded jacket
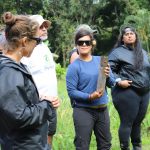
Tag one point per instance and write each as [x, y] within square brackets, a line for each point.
[121, 61]
[23, 121]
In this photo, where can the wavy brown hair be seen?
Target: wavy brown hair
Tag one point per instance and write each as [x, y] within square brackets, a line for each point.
[17, 27]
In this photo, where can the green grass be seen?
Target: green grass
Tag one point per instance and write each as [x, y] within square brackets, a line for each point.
[63, 140]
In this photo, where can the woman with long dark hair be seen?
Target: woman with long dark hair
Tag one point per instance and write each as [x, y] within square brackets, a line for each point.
[130, 65]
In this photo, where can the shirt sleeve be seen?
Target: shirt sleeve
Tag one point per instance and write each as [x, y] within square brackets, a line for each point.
[72, 81]
[111, 80]
[114, 64]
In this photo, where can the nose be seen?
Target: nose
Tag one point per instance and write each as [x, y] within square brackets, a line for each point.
[44, 28]
[84, 44]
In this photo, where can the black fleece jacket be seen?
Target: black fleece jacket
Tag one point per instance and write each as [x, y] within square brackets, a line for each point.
[121, 62]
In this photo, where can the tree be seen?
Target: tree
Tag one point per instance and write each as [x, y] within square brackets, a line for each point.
[142, 23]
[104, 15]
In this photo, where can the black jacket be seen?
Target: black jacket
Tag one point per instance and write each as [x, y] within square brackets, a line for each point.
[121, 61]
[23, 121]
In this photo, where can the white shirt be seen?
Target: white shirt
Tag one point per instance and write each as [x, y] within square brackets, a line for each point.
[42, 67]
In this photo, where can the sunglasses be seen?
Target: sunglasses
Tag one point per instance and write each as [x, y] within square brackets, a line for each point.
[87, 43]
[38, 40]
[44, 25]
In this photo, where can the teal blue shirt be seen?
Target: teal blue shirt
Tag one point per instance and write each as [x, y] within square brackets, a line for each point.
[81, 80]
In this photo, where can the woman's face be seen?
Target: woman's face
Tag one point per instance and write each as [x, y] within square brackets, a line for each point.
[129, 37]
[30, 45]
[84, 45]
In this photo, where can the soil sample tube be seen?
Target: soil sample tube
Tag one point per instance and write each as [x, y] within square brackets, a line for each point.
[101, 82]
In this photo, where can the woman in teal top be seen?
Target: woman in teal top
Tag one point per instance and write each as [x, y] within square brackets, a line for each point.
[90, 111]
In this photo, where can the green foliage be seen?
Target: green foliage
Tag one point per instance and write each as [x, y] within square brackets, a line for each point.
[142, 23]
[106, 16]
[60, 71]
[63, 139]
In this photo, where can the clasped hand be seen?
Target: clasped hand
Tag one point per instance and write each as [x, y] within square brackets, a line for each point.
[95, 95]
[125, 83]
[54, 100]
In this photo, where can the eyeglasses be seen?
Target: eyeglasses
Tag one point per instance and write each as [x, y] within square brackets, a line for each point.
[81, 43]
[38, 40]
[44, 25]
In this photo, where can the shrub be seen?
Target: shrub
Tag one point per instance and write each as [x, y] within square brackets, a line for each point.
[60, 71]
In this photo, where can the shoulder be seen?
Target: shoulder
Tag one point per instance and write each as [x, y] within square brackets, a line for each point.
[117, 52]
[72, 51]
[96, 58]
[74, 64]
[40, 48]
[73, 55]
[11, 75]
[144, 52]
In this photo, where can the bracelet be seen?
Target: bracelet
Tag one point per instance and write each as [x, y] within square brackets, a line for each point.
[119, 83]
[90, 96]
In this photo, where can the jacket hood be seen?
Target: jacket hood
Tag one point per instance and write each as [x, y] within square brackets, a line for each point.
[6, 61]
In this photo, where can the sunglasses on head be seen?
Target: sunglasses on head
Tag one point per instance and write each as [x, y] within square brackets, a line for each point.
[38, 40]
[87, 43]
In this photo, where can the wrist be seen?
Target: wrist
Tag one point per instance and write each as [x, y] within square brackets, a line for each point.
[118, 81]
[89, 96]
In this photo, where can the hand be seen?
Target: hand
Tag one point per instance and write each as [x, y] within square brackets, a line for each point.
[107, 70]
[54, 100]
[95, 95]
[124, 83]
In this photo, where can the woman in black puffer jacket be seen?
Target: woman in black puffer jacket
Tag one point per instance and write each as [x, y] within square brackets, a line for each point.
[131, 67]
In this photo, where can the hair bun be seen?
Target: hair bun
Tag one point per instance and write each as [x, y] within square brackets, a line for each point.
[8, 18]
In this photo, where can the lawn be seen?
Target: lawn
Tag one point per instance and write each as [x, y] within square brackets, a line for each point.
[63, 140]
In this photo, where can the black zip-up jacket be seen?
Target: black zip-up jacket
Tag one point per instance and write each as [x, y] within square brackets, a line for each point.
[23, 120]
[121, 61]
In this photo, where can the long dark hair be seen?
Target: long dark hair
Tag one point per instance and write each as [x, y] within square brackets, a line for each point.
[138, 54]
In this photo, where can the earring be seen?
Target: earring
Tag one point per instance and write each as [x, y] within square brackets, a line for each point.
[94, 42]
[20, 53]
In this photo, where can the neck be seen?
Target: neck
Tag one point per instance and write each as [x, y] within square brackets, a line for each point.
[86, 57]
[14, 55]
[129, 46]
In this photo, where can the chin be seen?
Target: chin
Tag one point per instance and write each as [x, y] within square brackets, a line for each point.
[84, 54]
[29, 54]
[43, 38]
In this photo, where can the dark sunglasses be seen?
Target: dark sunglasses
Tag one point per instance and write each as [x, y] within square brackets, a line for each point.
[43, 26]
[38, 40]
[81, 43]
